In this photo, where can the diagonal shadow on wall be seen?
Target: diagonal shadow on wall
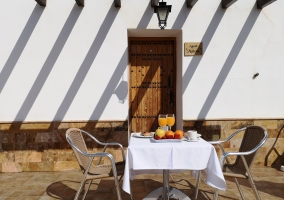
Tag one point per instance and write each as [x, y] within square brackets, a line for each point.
[20, 46]
[110, 88]
[87, 63]
[182, 16]
[206, 39]
[148, 13]
[237, 47]
[48, 65]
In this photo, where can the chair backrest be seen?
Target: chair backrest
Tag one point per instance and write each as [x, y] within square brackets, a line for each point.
[254, 137]
[74, 135]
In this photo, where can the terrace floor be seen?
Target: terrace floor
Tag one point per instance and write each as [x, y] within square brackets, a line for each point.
[63, 185]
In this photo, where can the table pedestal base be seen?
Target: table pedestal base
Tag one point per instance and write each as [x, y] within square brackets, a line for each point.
[173, 194]
[166, 192]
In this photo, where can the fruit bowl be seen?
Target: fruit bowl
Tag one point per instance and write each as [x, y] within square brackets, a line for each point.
[165, 140]
[162, 135]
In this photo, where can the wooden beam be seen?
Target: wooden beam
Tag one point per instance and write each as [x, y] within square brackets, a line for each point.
[190, 3]
[262, 3]
[227, 3]
[41, 2]
[154, 3]
[80, 2]
[117, 3]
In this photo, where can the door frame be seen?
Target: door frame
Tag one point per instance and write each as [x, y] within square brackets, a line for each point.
[178, 34]
[173, 39]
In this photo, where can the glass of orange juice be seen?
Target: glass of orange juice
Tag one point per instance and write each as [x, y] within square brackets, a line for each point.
[162, 120]
[170, 120]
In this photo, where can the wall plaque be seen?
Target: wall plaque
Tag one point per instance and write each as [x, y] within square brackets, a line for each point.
[192, 48]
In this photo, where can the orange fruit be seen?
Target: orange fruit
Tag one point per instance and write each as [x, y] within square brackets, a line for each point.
[170, 134]
[178, 134]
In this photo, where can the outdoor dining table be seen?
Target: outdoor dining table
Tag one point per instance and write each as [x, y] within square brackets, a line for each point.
[145, 155]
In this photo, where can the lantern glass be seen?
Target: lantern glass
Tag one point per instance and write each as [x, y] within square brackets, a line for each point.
[162, 11]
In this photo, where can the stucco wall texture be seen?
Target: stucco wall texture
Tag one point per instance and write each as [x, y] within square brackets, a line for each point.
[65, 66]
[63, 62]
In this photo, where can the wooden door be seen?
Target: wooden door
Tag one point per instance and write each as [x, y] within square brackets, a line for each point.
[152, 81]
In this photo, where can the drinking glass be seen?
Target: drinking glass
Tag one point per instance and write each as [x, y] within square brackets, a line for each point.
[162, 120]
[170, 120]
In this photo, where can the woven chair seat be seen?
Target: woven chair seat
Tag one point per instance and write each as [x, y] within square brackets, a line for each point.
[102, 171]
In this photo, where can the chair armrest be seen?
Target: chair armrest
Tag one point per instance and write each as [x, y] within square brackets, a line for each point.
[242, 153]
[216, 142]
[92, 155]
[235, 133]
[226, 154]
[115, 144]
[220, 142]
[106, 144]
[100, 154]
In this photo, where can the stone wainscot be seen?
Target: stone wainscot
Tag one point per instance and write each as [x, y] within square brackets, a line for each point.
[38, 146]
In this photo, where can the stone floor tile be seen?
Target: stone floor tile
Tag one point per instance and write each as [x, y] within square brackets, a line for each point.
[19, 193]
[63, 185]
[151, 185]
[138, 186]
[5, 192]
[31, 198]
[37, 192]
[47, 197]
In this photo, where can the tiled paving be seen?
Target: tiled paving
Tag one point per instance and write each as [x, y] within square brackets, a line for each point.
[63, 185]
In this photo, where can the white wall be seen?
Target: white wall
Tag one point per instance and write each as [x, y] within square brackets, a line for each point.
[64, 62]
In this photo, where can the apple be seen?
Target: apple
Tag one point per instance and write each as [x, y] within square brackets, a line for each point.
[157, 137]
[160, 132]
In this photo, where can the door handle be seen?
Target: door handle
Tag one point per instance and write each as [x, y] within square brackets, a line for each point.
[171, 98]
[169, 81]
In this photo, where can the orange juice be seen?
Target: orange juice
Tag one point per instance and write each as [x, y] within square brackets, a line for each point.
[162, 121]
[170, 121]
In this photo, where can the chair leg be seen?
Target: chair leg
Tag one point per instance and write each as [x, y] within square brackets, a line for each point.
[84, 179]
[131, 197]
[79, 190]
[240, 189]
[250, 179]
[129, 186]
[117, 187]
[257, 196]
[216, 192]
[87, 189]
[120, 178]
[197, 184]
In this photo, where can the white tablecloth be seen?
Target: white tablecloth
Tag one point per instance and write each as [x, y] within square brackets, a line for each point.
[148, 157]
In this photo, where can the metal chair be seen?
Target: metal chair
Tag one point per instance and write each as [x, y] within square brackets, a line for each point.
[254, 137]
[75, 138]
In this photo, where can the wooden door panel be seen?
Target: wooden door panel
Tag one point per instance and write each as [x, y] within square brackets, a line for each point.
[133, 69]
[152, 81]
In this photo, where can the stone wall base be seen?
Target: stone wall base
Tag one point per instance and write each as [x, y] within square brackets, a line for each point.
[43, 147]
[215, 130]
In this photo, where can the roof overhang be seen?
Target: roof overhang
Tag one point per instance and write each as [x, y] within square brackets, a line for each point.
[262, 3]
[191, 3]
[41, 2]
[117, 3]
[227, 3]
